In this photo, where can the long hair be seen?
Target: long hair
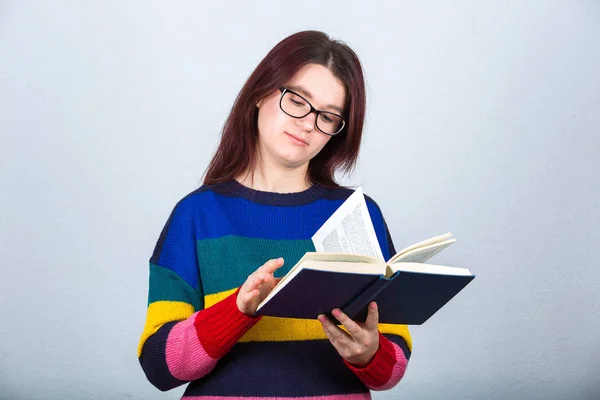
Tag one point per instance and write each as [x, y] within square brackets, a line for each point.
[236, 152]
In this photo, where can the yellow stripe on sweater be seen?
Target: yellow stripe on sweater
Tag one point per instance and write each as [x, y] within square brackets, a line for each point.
[161, 312]
[212, 299]
[274, 329]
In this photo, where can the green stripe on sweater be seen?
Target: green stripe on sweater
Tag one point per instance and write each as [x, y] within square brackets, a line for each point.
[167, 285]
[226, 262]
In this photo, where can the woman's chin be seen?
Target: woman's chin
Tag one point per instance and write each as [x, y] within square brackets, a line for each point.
[294, 162]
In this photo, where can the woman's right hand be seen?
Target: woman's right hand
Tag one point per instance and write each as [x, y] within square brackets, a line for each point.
[258, 285]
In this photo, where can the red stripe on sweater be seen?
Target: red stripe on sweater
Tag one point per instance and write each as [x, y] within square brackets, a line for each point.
[220, 326]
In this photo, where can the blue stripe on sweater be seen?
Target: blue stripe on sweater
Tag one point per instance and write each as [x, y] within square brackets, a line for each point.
[279, 369]
[153, 360]
[205, 214]
[399, 340]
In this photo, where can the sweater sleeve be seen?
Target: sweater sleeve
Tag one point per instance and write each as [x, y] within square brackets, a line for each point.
[387, 367]
[182, 341]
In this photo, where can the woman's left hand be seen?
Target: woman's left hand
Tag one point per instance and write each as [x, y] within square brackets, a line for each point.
[360, 344]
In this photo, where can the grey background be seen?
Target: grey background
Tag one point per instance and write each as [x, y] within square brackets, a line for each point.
[484, 120]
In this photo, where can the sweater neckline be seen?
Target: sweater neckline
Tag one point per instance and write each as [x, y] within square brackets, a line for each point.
[235, 189]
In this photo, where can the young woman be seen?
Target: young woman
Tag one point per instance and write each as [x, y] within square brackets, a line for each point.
[270, 186]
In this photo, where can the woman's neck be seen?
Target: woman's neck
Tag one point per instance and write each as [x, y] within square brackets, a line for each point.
[276, 180]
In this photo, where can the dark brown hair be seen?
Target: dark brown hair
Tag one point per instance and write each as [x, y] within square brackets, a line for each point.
[236, 152]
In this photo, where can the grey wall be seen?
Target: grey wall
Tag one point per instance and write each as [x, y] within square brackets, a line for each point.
[484, 120]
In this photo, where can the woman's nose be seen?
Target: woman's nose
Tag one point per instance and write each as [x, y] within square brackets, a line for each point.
[308, 122]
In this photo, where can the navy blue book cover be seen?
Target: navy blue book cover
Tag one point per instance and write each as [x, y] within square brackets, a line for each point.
[409, 298]
[314, 292]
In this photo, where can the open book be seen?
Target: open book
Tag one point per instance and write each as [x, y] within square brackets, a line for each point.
[348, 272]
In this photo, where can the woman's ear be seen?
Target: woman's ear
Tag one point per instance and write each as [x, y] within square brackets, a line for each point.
[259, 103]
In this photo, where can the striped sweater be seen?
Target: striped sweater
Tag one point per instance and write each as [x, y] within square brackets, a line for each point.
[215, 237]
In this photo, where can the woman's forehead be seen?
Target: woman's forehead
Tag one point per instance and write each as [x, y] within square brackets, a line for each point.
[318, 84]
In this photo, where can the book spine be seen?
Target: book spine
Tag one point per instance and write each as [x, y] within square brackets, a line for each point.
[357, 309]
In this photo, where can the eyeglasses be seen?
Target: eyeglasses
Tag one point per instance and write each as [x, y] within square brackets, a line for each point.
[297, 106]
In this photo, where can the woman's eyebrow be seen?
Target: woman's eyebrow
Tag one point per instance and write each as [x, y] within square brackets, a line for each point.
[306, 93]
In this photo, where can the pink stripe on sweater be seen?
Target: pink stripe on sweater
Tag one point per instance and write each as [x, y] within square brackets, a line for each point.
[397, 371]
[358, 396]
[186, 358]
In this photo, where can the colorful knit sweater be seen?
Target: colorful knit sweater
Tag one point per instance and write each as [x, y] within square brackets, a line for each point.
[217, 236]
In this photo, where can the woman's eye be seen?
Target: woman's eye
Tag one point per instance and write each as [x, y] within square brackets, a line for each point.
[298, 103]
[326, 119]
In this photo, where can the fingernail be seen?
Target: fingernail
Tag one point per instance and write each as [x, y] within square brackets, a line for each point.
[321, 317]
[373, 306]
[336, 312]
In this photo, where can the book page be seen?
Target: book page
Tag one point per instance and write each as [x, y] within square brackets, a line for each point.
[424, 243]
[340, 257]
[430, 269]
[349, 230]
[421, 254]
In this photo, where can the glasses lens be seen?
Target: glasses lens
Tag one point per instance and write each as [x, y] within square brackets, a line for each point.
[330, 123]
[294, 105]
[297, 107]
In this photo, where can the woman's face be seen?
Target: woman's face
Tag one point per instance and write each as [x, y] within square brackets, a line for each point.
[292, 142]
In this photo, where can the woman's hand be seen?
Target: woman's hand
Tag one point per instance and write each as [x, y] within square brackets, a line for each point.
[360, 344]
[258, 285]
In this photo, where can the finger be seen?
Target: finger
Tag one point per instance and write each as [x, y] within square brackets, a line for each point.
[271, 265]
[330, 337]
[352, 327]
[334, 334]
[265, 278]
[372, 317]
[248, 296]
[253, 282]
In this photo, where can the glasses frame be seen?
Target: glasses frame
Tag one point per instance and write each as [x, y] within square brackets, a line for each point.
[285, 90]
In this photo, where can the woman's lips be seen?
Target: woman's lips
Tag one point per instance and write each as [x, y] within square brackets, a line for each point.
[297, 140]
